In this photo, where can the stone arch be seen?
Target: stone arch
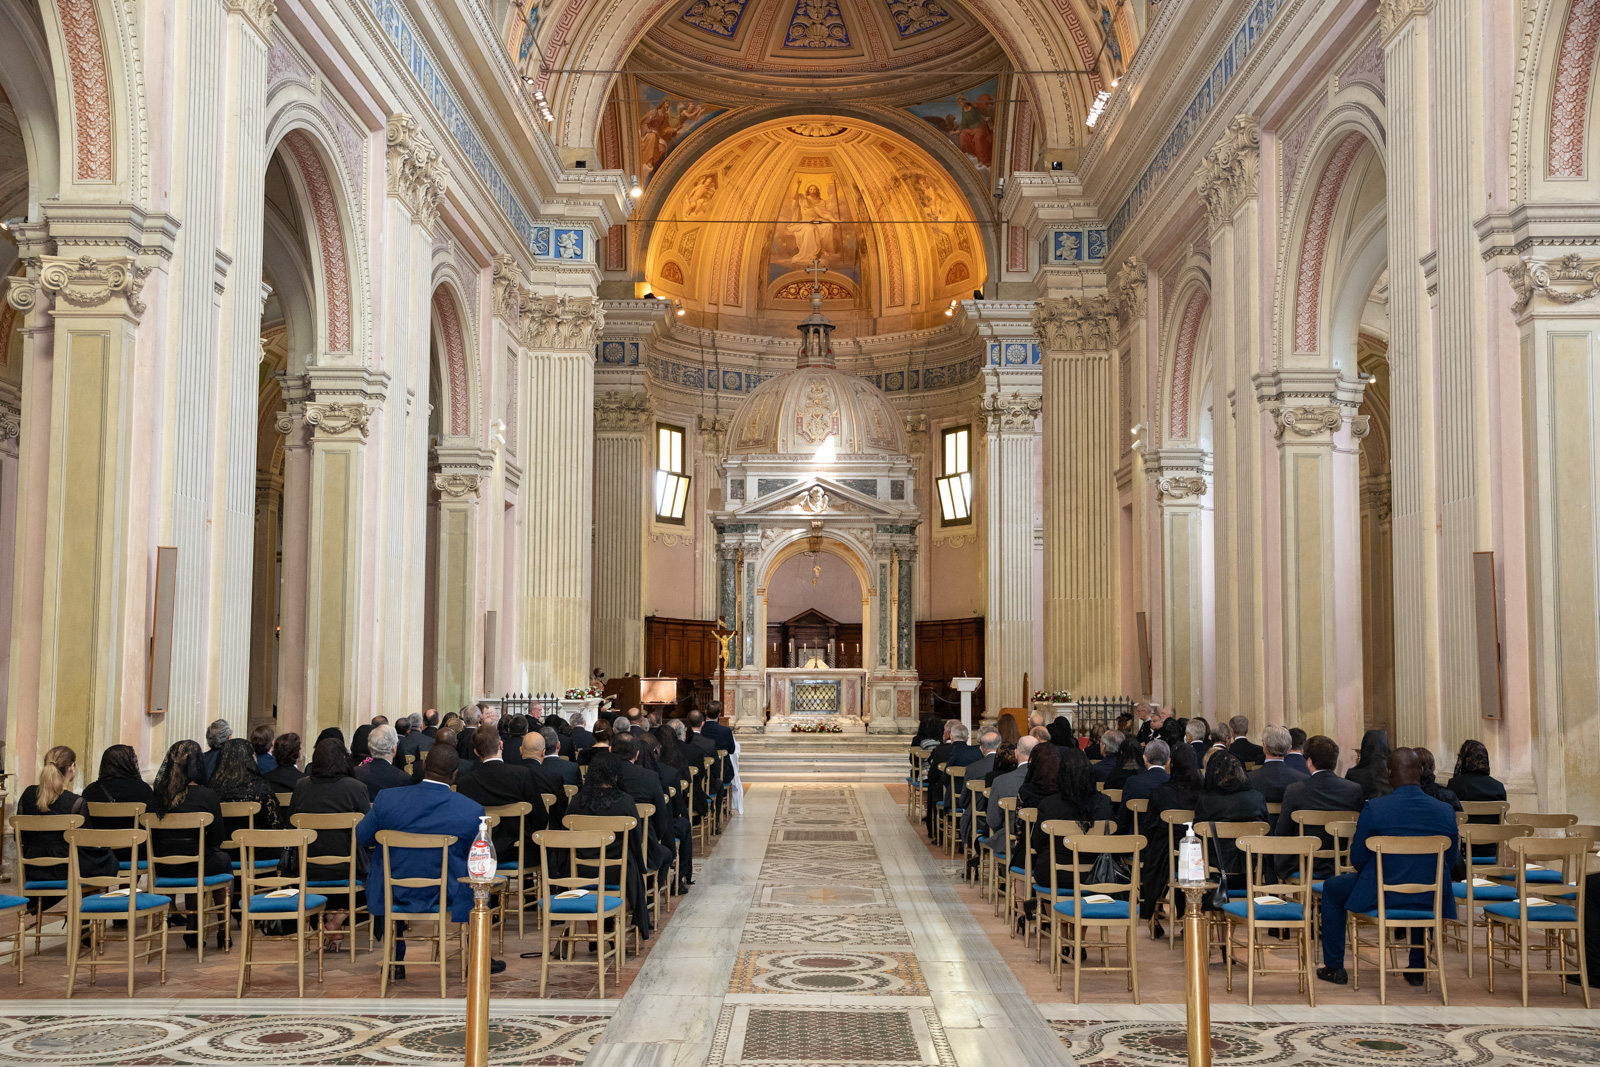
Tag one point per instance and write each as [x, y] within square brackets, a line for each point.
[29, 84]
[450, 319]
[96, 58]
[1554, 124]
[793, 543]
[1188, 328]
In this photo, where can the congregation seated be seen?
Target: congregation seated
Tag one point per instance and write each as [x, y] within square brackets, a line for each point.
[978, 770]
[641, 782]
[1152, 775]
[119, 782]
[286, 755]
[378, 771]
[954, 751]
[1180, 792]
[1274, 775]
[53, 795]
[1244, 750]
[1228, 797]
[330, 787]
[179, 790]
[1075, 799]
[494, 783]
[236, 780]
[1008, 783]
[1324, 790]
[1372, 762]
[602, 794]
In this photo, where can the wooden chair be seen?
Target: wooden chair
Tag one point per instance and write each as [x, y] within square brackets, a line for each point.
[350, 887]
[1047, 891]
[653, 895]
[572, 790]
[1481, 886]
[1095, 905]
[1271, 902]
[999, 848]
[713, 800]
[577, 900]
[516, 870]
[1554, 909]
[1029, 818]
[1327, 850]
[623, 825]
[440, 916]
[241, 815]
[1113, 795]
[103, 899]
[1223, 831]
[1496, 808]
[917, 784]
[724, 793]
[105, 815]
[270, 896]
[950, 806]
[977, 803]
[42, 877]
[1274, 809]
[199, 885]
[1386, 921]
[1174, 818]
[18, 908]
[1542, 820]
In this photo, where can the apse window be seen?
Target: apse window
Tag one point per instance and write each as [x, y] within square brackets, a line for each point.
[955, 484]
[672, 485]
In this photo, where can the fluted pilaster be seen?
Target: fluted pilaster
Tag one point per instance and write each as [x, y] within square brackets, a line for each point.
[621, 511]
[1009, 420]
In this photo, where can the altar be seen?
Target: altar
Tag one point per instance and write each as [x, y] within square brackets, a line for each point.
[808, 695]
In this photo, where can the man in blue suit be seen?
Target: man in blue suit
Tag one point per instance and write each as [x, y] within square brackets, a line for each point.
[429, 807]
[1407, 812]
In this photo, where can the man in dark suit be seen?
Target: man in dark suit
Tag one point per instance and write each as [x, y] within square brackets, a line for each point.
[580, 739]
[1274, 775]
[699, 748]
[1157, 756]
[1197, 734]
[1007, 784]
[644, 786]
[562, 768]
[1243, 749]
[721, 736]
[978, 770]
[516, 730]
[1296, 758]
[379, 772]
[682, 829]
[430, 722]
[955, 752]
[1110, 744]
[428, 807]
[471, 716]
[546, 777]
[1323, 791]
[1406, 812]
[494, 782]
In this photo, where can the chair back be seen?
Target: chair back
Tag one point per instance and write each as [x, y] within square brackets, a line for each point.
[332, 820]
[393, 839]
[550, 801]
[957, 779]
[1476, 835]
[1138, 805]
[1029, 817]
[623, 825]
[1435, 845]
[265, 880]
[285, 800]
[572, 842]
[1570, 855]
[1542, 820]
[1114, 795]
[1226, 831]
[105, 815]
[196, 821]
[1497, 808]
[238, 815]
[1260, 870]
[518, 811]
[51, 869]
[1321, 820]
[1087, 845]
[1065, 829]
[80, 885]
[1174, 818]
[977, 803]
[572, 790]
[1008, 805]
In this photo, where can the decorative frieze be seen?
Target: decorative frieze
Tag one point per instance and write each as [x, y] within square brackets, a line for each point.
[457, 485]
[1229, 173]
[1306, 421]
[1567, 282]
[560, 322]
[87, 283]
[338, 420]
[508, 289]
[1180, 487]
[416, 172]
[1074, 325]
[1132, 288]
[1011, 414]
[618, 412]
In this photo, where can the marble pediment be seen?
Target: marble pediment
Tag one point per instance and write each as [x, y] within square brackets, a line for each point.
[817, 498]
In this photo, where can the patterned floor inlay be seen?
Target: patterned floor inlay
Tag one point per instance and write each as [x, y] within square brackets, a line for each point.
[126, 1036]
[1125, 1044]
[828, 971]
[782, 926]
[777, 1037]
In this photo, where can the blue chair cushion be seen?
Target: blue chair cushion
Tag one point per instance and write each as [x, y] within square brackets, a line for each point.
[1116, 909]
[1484, 892]
[265, 903]
[100, 904]
[1419, 914]
[1264, 912]
[330, 884]
[1316, 887]
[125, 865]
[8, 902]
[48, 883]
[1484, 861]
[507, 865]
[1545, 913]
[260, 864]
[941, 804]
[1543, 877]
[180, 883]
[1019, 870]
[583, 905]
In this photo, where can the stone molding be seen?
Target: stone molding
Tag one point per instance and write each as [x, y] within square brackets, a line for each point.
[1229, 174]
[1173, 488]
[87, 283]
[1013, 414]
[1074, 325]
[1133, 288]
[258, 12]
[1394, 14]
[1567, 281]
[618, 412]
[416, 171]
[457, 485]
[508, 289]
[1306, 421]
[337, 420]
[560, 322]
[10, 422]
[714, 430]
[22, 293]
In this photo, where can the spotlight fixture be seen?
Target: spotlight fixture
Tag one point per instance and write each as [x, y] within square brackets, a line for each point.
[636, 190]
[951, 310]
[1097, 108]
[999, 188]
[678, 304]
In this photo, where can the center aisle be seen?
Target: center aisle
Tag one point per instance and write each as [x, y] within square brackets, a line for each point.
[822, 932]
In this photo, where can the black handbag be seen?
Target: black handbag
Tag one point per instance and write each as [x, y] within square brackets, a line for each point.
[1109, 870]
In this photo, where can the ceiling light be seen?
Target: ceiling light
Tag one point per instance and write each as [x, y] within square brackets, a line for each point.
[636, 190]
[1097, 108]
[679, 304]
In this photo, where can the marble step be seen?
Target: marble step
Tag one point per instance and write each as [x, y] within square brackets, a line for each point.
[839, 766]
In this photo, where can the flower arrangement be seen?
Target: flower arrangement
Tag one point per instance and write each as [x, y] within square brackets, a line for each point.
[816, 728]
[589, 692]
[1059, 696]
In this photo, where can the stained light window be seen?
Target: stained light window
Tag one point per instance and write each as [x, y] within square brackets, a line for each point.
[672, 485]
[955, 482]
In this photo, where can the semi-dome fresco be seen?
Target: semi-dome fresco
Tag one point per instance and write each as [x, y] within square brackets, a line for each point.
[812, 409]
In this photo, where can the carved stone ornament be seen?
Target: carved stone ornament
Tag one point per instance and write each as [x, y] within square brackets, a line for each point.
[87, 282]
[1011, 414]
[22, 293]
[1075, 325]
[1306, 421]
[714, 431]
[259, 12]
[813, 501]
[285, 423]
[625, 412]
[508, 289]
[1180, 487]
[333, 420]
[560, 322]
[457, 486]
[1132, 288]
[416, 173]
[1568, 282]
[10, 422]
[1392, 14]
[1360, 426]
[1229, 173]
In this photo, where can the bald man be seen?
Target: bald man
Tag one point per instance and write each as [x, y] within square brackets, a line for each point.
[1406, 812]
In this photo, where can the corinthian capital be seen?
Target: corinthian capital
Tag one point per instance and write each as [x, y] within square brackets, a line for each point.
[416, 175]
[1132, 288]
[1229, 173]
[1074, 325]
[1393, 14]
[508, 289]
[259, 12]
[619, 412]
[560, 322]
[1011, 414]
[1566, 281]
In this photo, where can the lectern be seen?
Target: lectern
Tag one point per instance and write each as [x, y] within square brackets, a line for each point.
[966, 687]
[658, 691]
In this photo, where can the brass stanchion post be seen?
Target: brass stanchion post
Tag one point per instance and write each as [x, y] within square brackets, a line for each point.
[477, 1051]
[1197, 981]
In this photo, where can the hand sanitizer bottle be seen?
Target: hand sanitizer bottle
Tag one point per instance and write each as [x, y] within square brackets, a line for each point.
[480, 859]
[1191, 857]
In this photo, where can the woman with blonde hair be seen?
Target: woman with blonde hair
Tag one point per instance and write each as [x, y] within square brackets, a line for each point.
[53, 796]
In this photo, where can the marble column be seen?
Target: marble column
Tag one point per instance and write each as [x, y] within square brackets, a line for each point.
[623, 504]
[416, 187]
[503, 355]
[1247, 675]
[10, 439]
[455, 593]
[1179, 477]
[557, 501]
[1080, 494]
[294, 696]
[1141, 359]
[1008, 480]
[264, 593]
[1408, 52]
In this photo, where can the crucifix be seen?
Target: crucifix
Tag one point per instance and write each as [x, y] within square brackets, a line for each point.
[817, 271]
[723, 636]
